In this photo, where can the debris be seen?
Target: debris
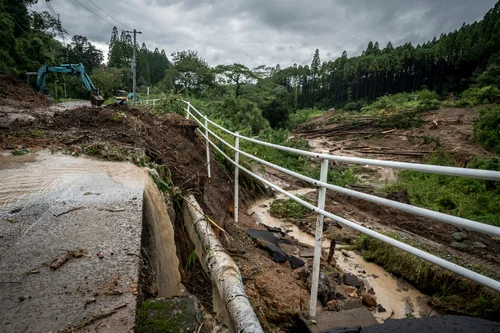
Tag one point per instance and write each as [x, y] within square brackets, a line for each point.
[307, 253]
[10, 219]
[15, 211]
[93, 319]
[459, 236]
[369, 300]
[351, 280]
[90, 300]
[69, 211]
[22, 298]
[114, 209]
[296, 262]
[380, 308]
[100, 255]
[479, 245]
[91, 193]
[331, 252]
[65, 258]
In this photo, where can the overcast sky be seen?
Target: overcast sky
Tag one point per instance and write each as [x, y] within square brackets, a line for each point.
[267, 32]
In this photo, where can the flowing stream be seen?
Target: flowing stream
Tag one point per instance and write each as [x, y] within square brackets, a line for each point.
[400, 299]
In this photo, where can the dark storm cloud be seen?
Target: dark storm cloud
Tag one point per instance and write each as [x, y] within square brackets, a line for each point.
[255, 32]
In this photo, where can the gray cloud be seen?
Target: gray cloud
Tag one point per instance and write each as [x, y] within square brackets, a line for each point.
[256, 32]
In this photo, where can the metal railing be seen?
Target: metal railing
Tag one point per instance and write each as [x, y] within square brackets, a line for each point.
[323, 185]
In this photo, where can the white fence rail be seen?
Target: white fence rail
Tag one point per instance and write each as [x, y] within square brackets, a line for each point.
[322, 185]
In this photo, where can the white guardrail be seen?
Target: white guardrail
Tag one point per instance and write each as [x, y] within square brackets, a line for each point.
[322, 185]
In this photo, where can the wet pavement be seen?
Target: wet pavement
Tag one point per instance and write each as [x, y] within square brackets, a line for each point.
[70, 232]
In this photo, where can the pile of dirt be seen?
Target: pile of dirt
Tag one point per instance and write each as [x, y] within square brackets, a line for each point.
[17, 94]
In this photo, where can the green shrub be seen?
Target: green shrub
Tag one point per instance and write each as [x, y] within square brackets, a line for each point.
[473, 199]
[420, 101]
[487, 128]
[288, 208]
[476, 95]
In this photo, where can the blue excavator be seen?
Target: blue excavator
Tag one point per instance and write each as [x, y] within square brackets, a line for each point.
[75, 69]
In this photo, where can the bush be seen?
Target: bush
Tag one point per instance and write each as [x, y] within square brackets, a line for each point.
[487, 128]
[475, 96]
[420, 101]
[464, 197]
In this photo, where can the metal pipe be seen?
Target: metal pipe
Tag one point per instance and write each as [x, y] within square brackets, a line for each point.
[236, 178]
[318, 239]
[208, 148]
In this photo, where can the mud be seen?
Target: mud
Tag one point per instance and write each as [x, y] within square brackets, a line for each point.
[400, 299]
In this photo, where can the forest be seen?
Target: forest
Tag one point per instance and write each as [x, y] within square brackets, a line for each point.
[465, 62]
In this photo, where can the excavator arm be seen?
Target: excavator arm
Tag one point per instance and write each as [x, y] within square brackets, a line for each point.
[75, 69]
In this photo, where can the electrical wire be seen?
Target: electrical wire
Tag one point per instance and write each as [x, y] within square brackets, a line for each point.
[102, 10]
[111, 24]
[14, 21]
[53, 12]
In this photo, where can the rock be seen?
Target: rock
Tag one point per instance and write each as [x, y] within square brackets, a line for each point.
[307, 253]
[296, 262]
[345, 254]
[326, 287]
[459, 236]
[479, 245]
[351, 303]
[325, 226]
[371, 291]
[333, 305]
[369, 300]
[459, 246]
[263, 206]
[380, 308]
[270, 192]
[179, 314]
[351, 280]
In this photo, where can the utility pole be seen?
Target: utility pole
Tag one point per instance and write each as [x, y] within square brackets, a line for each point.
[134, 63]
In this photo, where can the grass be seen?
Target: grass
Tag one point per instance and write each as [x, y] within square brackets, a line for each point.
[451, 292]
[468, 198]
[288, 208]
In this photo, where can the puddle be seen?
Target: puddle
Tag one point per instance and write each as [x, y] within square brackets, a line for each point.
[400, 299]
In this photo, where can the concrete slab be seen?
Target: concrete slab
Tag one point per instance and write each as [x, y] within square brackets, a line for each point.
[55, 205]
[348, 318]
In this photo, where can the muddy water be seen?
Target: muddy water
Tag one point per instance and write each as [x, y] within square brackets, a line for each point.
[400, 299]
[52, 174]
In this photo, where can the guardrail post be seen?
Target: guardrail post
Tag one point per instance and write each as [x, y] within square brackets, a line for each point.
[208, 147]
[319, 238]
[236, 175]
[188, 110]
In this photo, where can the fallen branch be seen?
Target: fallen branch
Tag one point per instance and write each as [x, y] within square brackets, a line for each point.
[201, 212]
[93, 319]
[69, 211]
[65, 258]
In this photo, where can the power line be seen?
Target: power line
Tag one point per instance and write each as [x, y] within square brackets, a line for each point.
[14, 21]
[111, 24]
[102, 10]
